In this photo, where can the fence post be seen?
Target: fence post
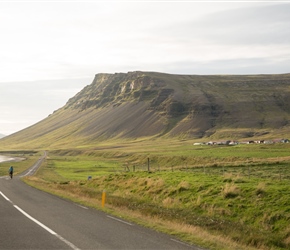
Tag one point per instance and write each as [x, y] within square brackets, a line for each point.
[148, 164]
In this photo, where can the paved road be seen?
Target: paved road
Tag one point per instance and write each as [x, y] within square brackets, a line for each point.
[32, 219]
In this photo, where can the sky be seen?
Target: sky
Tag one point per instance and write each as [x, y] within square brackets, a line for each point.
[50, 50]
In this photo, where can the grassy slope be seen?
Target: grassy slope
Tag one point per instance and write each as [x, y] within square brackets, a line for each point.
[142, 104]
[237, 194]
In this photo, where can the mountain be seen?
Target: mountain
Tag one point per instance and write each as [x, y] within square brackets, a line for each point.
[150, 104]
[1, 135]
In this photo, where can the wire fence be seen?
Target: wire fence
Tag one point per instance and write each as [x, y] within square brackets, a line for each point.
[273, 170]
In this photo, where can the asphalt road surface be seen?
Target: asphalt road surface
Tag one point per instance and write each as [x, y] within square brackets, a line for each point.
[32, 219]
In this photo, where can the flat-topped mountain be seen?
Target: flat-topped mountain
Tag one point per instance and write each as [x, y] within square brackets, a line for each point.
[150, 104]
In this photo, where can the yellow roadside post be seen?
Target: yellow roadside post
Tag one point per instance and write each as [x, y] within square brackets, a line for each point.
[103, 198]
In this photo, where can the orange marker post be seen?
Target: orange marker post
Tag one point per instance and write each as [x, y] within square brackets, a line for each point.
[103, 198]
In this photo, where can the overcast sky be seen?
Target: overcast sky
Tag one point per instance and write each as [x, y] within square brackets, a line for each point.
[50, 50]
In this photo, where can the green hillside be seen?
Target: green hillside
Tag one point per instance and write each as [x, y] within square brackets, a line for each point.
[149, 104]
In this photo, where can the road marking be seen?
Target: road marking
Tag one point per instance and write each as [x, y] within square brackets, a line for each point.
[46, 228]
[33, 168]
[81, 206]
[125, 222]
[5, 197]
[5, 177]
[34, 220]
[26, 173]
[67, 242]
[185, 244]
[40, 224]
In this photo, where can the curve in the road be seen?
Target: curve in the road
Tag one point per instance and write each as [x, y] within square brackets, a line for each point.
[28, 211]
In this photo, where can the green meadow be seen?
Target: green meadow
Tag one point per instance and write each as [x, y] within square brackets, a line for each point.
[218, 197]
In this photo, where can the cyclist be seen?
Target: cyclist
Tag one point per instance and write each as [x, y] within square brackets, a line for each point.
[11, 172]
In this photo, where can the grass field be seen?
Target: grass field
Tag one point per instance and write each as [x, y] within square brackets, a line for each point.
[26, 160]
[220, 197]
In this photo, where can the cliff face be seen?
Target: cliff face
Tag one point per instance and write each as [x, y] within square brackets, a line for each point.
[194, 105]
[138, 104]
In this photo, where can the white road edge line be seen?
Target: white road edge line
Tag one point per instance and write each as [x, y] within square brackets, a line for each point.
[34, 220]
[182, 243]
[125, 222]
[81, 206]
[5, 197]
[46, 228]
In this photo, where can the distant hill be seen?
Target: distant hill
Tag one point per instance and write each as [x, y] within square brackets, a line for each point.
[1, 135]
[150, 104]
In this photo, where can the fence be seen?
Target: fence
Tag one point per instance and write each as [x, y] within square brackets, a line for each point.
[262, 170]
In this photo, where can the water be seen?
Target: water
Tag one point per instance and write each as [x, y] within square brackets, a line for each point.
[6, 158]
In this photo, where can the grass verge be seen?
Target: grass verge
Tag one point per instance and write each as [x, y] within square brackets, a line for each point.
[235, 211]
[136, 211]
[230, 198]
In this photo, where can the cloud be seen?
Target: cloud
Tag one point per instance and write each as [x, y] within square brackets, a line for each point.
[69, 40]
[229, 39]
[264, 25]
